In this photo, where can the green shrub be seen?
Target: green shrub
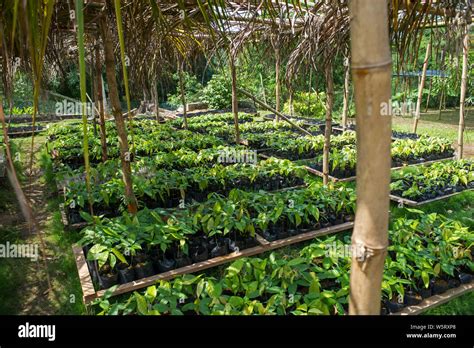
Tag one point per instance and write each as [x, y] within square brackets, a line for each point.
[307, 104]
[218, 92]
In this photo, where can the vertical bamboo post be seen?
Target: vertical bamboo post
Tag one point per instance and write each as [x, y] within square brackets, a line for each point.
[277, 82]
[429, 94]
[421, 86]
[328, 129]
[345, 102]
[290, 100]
[371, 72]
[125, 155]
[100, 104]
[183, 94]
[462, 106]
[235, 102]
[156, 102]
[263, 89]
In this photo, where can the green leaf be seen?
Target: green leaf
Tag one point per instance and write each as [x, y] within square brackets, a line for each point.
[141, 304]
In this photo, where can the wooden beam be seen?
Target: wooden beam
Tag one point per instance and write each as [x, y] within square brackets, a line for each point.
[269, 108]
[437, 300]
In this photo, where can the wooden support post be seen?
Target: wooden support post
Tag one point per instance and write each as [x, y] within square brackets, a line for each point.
[462, 106]
[345, 102]
[421, 86]
[155, 100]
[328, 128]
[277, 83]
[100, 104]
[183, 94]
[125, 155]
[235, 102]
[371, 71]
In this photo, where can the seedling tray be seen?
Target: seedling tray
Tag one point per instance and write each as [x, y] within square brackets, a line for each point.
[412, 203]
[89, 292]
[436, 300]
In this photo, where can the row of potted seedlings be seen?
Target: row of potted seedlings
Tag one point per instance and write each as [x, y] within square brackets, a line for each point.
[173, 188]
[342, 161]
[156, 241]
[316, 281]
[436, 180]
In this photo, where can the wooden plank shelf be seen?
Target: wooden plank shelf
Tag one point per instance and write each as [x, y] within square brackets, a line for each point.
[264, 246]
[412, 203]
[436, 300]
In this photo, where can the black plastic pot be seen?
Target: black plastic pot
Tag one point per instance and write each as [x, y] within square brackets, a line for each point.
[143, 270]
[465, 278]
[234, 245]
[453, 283]
[220, 249]
[425, 293]
[394, 307]
[108, 280]
[412, 298]
[439, 286]
[293, 232]
[269, 236]
[199, 254]
[126, 274]
[183, 261]
[165, 265]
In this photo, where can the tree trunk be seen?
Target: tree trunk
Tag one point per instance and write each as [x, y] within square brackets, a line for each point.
[328, 129]
[371, 72]
[465, 67]
[125, 155]
[183, 94]
[100, 104]
[345, 102]
[421, 86]
[235, 102]
[277, 82]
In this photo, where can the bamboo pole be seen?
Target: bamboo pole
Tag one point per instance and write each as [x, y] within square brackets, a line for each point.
[277, 82]
[328, 129]
[235, 102]
[429, 94]
[263, 89]
[125, 155]
[345, 102]
[183, 94]
[156, 102]
[421, 86]
[462, 106]
[371, 71]
[100, 104]
[269, 108]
